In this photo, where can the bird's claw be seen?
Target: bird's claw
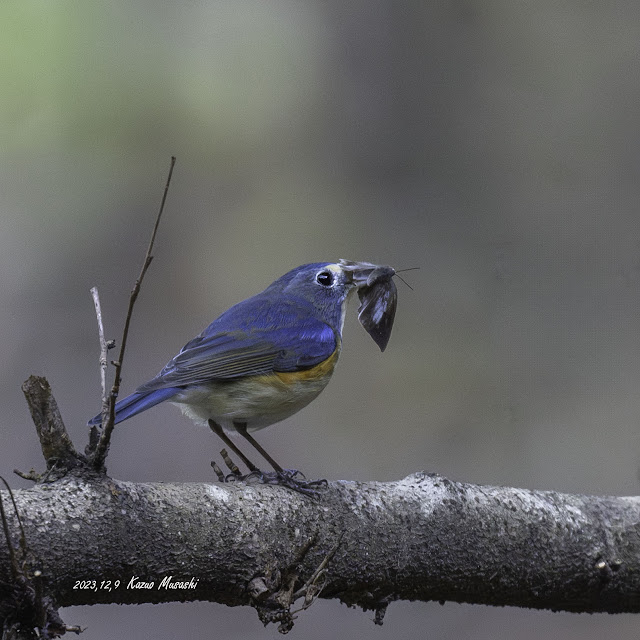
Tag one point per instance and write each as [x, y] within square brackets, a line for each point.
[290, 478]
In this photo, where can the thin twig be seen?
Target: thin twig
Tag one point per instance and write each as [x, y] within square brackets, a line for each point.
[15, 568]
[103, 444]
[23, 537]
[319, 569]
[103, 354]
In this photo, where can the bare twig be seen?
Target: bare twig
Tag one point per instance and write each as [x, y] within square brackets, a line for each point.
[102, 446]
[15, 568]
[319, 571]
[23, 537]
[274, 594]
[103, 354]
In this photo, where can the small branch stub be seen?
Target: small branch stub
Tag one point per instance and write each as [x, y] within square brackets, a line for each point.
[57, 448]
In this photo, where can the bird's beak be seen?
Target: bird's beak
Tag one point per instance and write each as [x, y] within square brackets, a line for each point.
[378, 297]
[365, 274]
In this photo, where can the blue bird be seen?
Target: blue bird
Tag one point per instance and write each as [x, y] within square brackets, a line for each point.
[269, 356]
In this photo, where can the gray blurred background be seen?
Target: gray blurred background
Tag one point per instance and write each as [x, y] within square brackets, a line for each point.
[493, 144]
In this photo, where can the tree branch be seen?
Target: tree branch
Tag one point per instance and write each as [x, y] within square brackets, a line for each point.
[421, 538]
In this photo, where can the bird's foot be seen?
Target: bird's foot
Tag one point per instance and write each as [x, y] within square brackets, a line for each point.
[290, 478]
[293, 479]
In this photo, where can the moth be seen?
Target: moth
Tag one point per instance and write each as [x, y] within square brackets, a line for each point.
[378, 298]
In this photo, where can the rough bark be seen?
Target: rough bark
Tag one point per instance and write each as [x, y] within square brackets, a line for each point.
[421, 538]
[84, 538]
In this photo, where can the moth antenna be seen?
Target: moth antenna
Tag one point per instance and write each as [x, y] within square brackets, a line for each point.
[403, 280]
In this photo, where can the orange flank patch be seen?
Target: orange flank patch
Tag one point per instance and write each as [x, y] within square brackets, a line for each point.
[320, 371]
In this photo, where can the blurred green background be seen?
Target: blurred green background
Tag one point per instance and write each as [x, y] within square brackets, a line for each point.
[493, 144]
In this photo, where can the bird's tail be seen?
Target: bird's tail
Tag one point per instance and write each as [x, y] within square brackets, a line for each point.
[136, 403]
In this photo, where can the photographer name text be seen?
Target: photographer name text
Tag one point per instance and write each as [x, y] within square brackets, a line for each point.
[166, 583]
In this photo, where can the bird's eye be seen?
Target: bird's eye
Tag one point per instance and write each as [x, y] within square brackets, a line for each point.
[325, 278]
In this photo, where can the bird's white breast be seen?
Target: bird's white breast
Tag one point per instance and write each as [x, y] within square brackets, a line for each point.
[259, 401]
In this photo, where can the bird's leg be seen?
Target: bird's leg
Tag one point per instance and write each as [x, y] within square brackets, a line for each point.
[284, 477]
[217, 429]
[241, 428]
[290, 478]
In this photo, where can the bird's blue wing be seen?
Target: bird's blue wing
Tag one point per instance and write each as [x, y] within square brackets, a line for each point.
[255, 337]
